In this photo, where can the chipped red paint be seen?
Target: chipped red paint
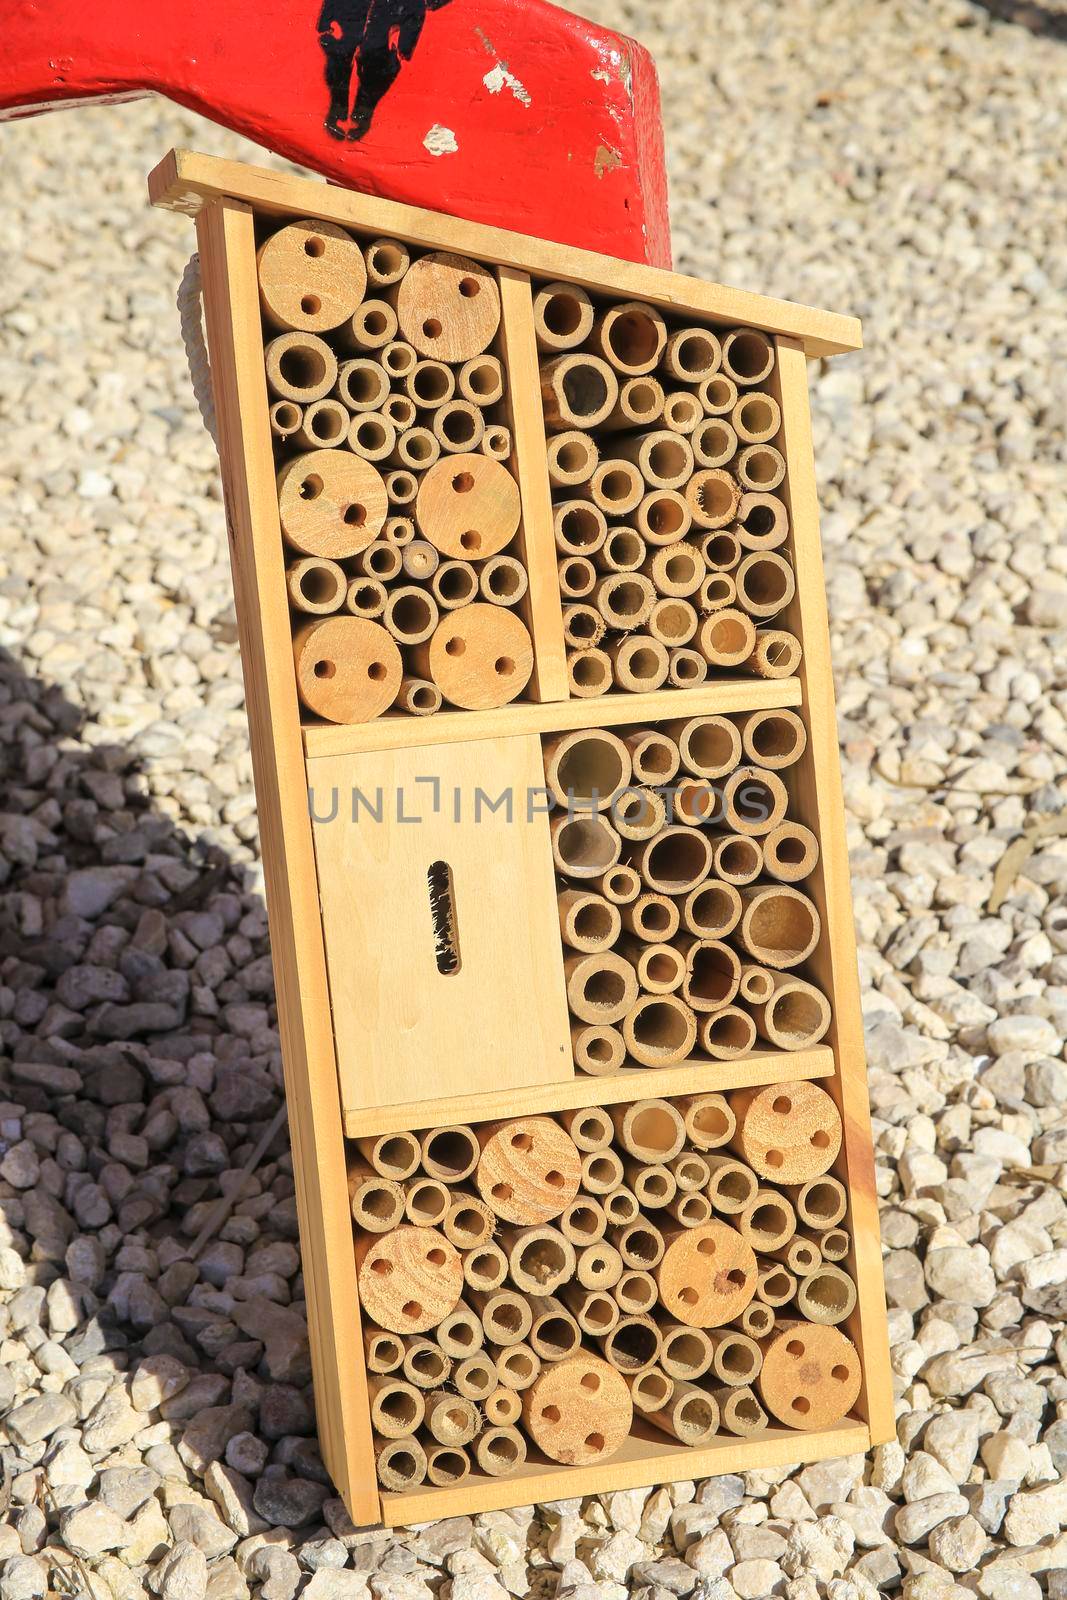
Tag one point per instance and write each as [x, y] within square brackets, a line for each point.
[545, 124]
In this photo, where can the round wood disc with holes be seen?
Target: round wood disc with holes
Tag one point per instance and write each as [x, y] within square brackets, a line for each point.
[468, 506]
[331, 503]
[347, 669]
[578, 1411]
[707, 1276]
[480, 656]
[410, 1279]
[311, 276]
[529, 1170]
[810, 1376]
[789, 1132]
[448, 306]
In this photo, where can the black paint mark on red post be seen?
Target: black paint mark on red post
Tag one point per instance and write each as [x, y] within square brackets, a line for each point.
[366, 42]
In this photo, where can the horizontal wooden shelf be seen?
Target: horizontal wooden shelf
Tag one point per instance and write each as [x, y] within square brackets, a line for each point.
[636, 1083]
[647, 1457]
[551, 716]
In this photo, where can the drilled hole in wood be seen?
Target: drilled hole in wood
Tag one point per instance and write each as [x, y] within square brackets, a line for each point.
[311, 487]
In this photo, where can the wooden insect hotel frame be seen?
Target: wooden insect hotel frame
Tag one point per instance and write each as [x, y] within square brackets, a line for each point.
[424, 987]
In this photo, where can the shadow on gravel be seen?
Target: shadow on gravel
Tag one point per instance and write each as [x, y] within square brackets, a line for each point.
[1028, 14]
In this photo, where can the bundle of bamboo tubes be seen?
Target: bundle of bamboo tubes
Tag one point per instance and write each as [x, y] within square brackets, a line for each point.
[539, 1282]
[679, 908]
[397, 501]
[671, 536]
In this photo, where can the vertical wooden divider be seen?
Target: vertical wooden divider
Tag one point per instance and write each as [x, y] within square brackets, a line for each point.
[231, 299]
[815, 786]
[544, 610]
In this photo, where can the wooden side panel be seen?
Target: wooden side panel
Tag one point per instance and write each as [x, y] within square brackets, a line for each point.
[496, 1017]
[815, 784]
[227, 253]
[545, 609]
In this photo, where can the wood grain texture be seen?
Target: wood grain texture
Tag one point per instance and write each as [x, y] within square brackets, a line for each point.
[184, 180]
[231, 295]
[816, 794]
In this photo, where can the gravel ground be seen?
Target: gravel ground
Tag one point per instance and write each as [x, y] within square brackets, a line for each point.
[902, 160]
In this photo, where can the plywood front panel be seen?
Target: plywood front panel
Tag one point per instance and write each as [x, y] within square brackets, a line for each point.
[496, 1017]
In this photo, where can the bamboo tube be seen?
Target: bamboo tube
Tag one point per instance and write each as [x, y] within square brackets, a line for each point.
[664, 459]
[457, 426]
[384, 1351]
[709, 1122]
[717, 592]
[620, 884]
[714, 444]
[834, 1244]
[779, 926]
[620, 1207]
[416, 449]
[365, 597]
[762, 522]
[712, 497]
[695, 802]
[584, 847]
[448, 306]
[426, 1202]
[315, 585]
[485, 1267]
[469, 1222]
[577, 578]
[505, 1315]
[572, 459]
[616, 487]
[727, 1034]
[690, 1170]
[285, 418]
[598, 1049]
[708, 746]
[500, 1451]
[802, 1256]
[362, 384]
[454, 584]
[768, 1222]
[584, 1220]
[717, 395]
[636, 1293]
[595, 1312]
[377, 1203]
[601, 1172]
[650, 1390]
[675, 862]
[673, 623]
[517, 1366]
[582, 626]
[738, 859]
[460, 1334]
[419, 697]
[774, 654]
[420, 560]
[555, 1334]
[760, 467]
[640, 405]
[692, 355]
[408, 1279]
[757, 1320]
[747, 355]
[401, 487]
[380, 560]
[737, 1358]
[347, 670]
[773, 739]
[425, 1364]
[447, 1465]
[579, 1411]
[639, 663]
[712, 910]
[811, 1375]
[563, 316]
[790, 852]
[775, 1286]
[299, 367]
[721, 550]
[660, 968]
[653, 1183]
[765, 583]
[411, 615]
[756, 417]
[649, 1130]
[740, 1412]
[707, 1276]
[631, 336]
[599, 1266]
[330, 503]
[479, 657]
[796, 1016]
[676, 570]
[387, 261]
[529, 1169]
[539, 1259]
[726, 638]
[639, 813]
[732, 1185]
[371, 326]
[654, 756]
[476, 1377]
[632, 1344]
[399, 359]
[481, 381]
[587, 769]
[660, 1030]
[663, 517]
[468, 506]
[324, 426]
[589, 1127]
[712, 973]
[827, 1295]
[752, 802]
[502, 1408]
[580, 527]
[451, 1419]
[392, 1155]
[601, 988]
[686, 1352]
[577, 391]
[503, 581]
[311, 276]
[587, 922]
[691, 1416]
[623, 551]
[690, 1210]
[757, 984]
[496, 442]
[450, 1154]
[400, 1464]
[682, 411]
